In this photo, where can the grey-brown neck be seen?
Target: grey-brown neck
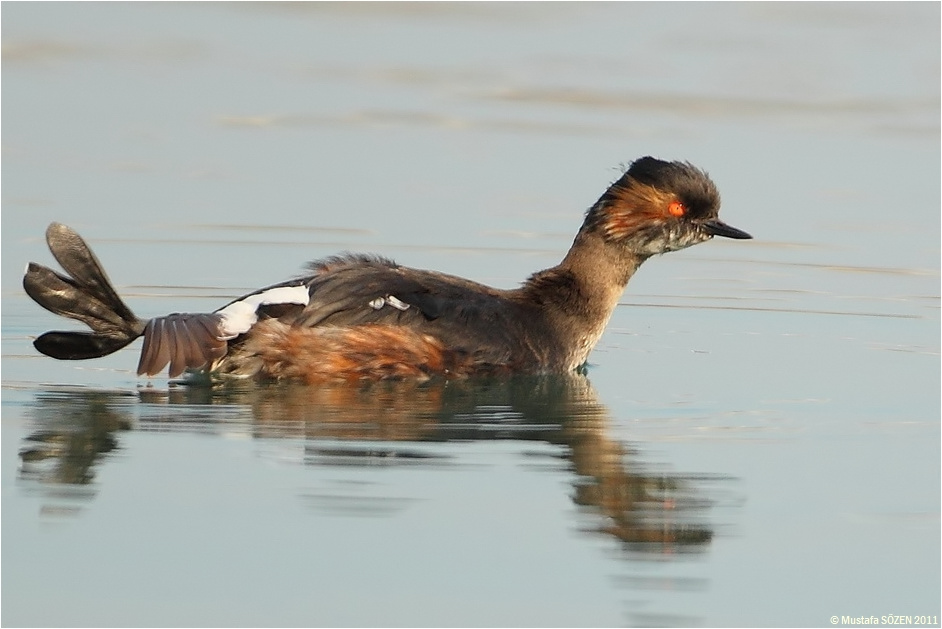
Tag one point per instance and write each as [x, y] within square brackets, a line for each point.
[578, 296]
[602, 269]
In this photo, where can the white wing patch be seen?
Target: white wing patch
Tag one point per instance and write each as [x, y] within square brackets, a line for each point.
[388, 300]
[238, 317]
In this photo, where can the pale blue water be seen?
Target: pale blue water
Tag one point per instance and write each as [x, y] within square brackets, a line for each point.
[758, 438]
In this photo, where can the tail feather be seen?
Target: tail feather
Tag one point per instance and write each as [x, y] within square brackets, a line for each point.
[186, 341]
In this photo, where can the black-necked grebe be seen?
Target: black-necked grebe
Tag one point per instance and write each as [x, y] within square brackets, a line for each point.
[364, 317]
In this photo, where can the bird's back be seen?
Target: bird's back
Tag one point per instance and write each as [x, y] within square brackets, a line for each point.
[369, 317]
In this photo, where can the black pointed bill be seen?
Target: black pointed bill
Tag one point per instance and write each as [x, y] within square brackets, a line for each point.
[717, 227]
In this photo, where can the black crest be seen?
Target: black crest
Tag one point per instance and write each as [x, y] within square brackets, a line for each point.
[691, 185]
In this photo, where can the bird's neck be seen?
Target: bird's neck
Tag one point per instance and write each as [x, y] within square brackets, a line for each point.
[579, 294]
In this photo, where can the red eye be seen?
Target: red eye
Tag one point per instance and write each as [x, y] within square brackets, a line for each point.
[676, 208]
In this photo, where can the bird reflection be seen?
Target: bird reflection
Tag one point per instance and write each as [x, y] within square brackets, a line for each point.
[77, 428]
[356, 425]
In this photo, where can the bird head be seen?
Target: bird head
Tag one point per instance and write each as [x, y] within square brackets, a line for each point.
[658, 206]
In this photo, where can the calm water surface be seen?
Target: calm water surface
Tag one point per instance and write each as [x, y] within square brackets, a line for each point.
[756, 442]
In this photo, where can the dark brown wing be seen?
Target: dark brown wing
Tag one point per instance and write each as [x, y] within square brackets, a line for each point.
[466, 316]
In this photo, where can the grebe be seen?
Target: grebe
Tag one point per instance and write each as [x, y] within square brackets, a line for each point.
[357, 316]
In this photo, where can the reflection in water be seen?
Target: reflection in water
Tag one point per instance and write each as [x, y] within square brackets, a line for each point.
[385, 423]
[77, 428]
